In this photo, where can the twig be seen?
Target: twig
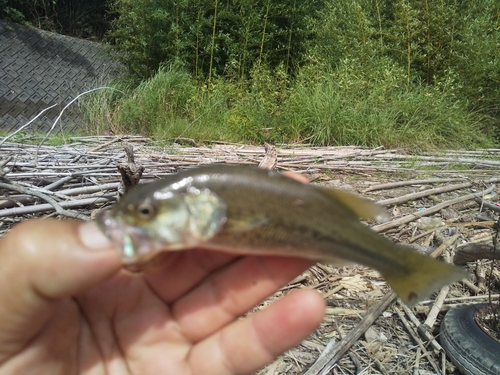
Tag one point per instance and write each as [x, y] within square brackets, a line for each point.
[471, 286]
[410, 182]
[438, 303]
[436, 308]
[62, 111]
[428, 211]
[415, 337]
[465, 298]
[52, 202]
[27, 124]
[380, 366]
[333, 353]
[424, 193]
[420, 328]
[97, 148]
[48, 207]
[6, 161]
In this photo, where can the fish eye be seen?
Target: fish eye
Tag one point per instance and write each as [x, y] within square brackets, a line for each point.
[145, 211]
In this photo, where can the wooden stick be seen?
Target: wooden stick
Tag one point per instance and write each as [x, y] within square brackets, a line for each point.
[424, 193]
[335, 350]
[97, 148]
[486, 204]
[420, 328]
[436, 308]
[428, 211]
[415, 337]
[48, 207]
[392, 185]
[52, 202]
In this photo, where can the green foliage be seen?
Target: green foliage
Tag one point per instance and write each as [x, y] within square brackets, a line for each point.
[438, 43]
[212, 38]
[80, 18]
[476, 57]
[374, 107]
[347, 29]
[394, 73]
[96, 108]
[157, 102]
[322, 106]
[10, 13]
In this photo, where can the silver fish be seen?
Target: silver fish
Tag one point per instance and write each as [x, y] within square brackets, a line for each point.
[247, 210]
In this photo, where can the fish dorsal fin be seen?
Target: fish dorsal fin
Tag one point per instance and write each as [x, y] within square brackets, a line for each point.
[363, 208]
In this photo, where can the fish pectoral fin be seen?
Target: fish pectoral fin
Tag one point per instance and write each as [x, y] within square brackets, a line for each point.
[244, 224]
[363, 208]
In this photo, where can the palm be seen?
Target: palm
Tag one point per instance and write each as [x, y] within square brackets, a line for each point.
[176, 319]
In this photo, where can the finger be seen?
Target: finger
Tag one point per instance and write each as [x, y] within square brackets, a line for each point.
[42, 262]
[248, 344]
[232, 292]
[297, 176]
[181, 271]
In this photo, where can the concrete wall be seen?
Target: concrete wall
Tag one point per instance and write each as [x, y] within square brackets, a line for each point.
[40, 68]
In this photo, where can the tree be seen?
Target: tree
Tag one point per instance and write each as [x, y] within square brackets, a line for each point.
[212, 37]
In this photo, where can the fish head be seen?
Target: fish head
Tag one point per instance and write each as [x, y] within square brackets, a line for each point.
[148, 221]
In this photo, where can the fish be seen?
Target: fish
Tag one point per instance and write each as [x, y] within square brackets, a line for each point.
[248, 210]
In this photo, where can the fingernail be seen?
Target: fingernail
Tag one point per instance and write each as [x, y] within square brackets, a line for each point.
[92, 237]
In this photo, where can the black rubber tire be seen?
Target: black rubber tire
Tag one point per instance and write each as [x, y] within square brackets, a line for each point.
[467, 345]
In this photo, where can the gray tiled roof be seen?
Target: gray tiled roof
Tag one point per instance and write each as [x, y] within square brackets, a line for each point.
[40, 68]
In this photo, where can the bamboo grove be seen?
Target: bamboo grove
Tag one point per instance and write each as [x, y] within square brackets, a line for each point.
[215, 37]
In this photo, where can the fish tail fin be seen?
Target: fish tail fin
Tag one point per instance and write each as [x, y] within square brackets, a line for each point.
[423, 276]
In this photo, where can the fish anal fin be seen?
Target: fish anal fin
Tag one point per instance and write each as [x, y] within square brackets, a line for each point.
[363, 208]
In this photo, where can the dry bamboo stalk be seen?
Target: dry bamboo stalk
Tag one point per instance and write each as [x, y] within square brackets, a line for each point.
[51, 202]
[416, 367]
[424, 193]
[420, 329]
[392, 185]
[90, 189]
[471, 286]
[19, 211]
[413, 158]
[467, 299]
[436, 307]
[428, 211]
[335, 350]
[97, 148]
[438, 303]
[415, 337]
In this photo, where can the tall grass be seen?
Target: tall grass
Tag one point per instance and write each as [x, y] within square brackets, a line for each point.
[348, 105]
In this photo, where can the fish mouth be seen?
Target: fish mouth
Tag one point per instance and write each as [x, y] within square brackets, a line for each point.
[134, 244]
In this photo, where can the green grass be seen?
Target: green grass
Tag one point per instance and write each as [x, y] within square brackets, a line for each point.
[351, 105]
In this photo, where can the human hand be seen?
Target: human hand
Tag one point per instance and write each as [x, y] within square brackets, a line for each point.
[67, 307]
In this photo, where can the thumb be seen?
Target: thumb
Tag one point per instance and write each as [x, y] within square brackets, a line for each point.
[44, 261]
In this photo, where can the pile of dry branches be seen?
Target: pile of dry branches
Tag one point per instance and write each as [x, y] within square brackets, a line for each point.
[364, 332]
